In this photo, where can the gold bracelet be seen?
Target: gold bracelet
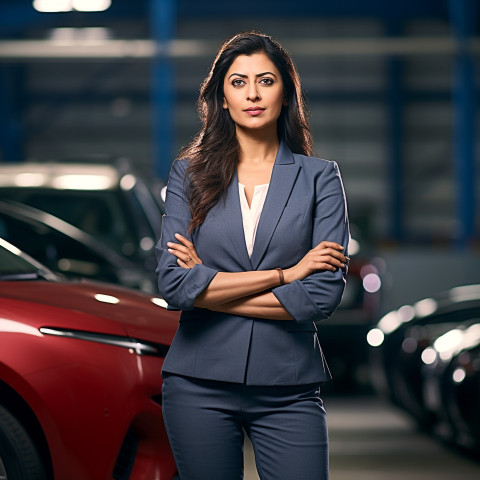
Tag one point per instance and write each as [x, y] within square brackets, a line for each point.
[281, 278]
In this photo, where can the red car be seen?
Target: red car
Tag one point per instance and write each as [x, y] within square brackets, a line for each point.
[80, 384]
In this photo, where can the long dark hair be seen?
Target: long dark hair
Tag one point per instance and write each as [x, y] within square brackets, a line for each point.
[213, 153]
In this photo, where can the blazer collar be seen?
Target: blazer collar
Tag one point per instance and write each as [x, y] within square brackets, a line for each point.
[284, 174]
[283, 178]
[284, 154]
[234, 222]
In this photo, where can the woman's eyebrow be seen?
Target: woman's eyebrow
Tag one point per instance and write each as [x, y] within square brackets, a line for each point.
[258, 75]
[266, 73]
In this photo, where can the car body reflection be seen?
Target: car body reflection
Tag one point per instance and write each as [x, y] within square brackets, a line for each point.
[80, 383]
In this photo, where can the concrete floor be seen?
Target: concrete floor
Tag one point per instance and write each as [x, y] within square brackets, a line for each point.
[370, 440]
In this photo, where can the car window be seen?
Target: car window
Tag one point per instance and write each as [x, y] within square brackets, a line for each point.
[146, 233]
[99, 213]
[10, 263]
[54, 249]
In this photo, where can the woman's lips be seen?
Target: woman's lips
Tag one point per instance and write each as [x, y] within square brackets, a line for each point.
[254, 111]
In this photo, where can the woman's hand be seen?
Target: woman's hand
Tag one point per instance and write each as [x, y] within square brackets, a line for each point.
[184, 251]
[325, 256]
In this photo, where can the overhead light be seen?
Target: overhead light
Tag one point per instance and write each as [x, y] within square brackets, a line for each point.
[91, 5]
[52, 6]
[56, 6]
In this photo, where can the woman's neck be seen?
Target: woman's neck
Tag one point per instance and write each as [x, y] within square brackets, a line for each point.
[257, 147]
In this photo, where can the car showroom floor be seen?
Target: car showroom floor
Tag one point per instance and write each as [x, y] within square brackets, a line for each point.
[370, 440]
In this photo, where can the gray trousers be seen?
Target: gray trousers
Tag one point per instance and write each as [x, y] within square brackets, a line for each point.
[205, 421]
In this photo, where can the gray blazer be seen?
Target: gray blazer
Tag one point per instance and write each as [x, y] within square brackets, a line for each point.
[305, 204]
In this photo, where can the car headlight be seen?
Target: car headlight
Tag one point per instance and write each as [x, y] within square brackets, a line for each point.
[140, 347]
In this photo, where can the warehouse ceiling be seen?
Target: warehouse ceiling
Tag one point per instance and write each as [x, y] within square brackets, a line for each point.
[18, 16]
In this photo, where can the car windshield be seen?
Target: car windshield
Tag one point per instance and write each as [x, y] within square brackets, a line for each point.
[15, 266]
[105, 215]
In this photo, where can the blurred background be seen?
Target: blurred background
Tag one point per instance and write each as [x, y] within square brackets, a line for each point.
[104, 92]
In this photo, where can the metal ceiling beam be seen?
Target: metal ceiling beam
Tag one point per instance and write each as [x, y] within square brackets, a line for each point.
[143, 49]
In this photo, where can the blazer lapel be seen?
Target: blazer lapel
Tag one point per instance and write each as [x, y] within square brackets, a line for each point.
[283, 178]
[234, 222]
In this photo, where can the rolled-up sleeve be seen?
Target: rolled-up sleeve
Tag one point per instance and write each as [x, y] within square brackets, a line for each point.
[178, 286]
[317, 296]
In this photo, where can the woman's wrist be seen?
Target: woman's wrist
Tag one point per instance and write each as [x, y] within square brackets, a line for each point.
[288, 276]
[281, 278]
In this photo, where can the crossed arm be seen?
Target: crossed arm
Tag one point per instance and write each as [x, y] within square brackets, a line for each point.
[248, 293]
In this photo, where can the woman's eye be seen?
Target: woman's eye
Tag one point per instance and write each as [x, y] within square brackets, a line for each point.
[238, 82]
[266, 81]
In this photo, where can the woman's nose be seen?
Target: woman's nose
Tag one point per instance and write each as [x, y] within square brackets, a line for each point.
[253, 93]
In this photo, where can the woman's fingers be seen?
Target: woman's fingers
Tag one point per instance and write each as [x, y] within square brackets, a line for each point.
[326, 244]
[178, 250]
[183, 240]
[330, 253]
[327, 259]
[185, 252]
[183, 264]
[177, 247]
[333, 248]
[183, 259]
[180, 254]
[189, 245]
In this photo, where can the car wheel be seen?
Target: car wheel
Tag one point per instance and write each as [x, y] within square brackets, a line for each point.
[19, 459]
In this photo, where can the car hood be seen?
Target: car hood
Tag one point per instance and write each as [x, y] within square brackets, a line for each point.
[89, 306]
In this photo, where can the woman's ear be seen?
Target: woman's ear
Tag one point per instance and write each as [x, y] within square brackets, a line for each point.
[225, 104]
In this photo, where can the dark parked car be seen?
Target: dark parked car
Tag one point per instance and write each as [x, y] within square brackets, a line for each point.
[66, 249]
[109, 202]
[452, 385]
[80, 384]
[423, 359]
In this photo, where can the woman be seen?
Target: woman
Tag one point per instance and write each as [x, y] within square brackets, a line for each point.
[252, 251]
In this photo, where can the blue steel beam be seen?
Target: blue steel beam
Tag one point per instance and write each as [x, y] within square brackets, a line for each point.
[11, 127]
[163, 21]
[463, 19]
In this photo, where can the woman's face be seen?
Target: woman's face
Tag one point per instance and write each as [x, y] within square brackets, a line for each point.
[253, 92]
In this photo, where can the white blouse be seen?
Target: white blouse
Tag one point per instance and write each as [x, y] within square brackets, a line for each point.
[251, 214]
